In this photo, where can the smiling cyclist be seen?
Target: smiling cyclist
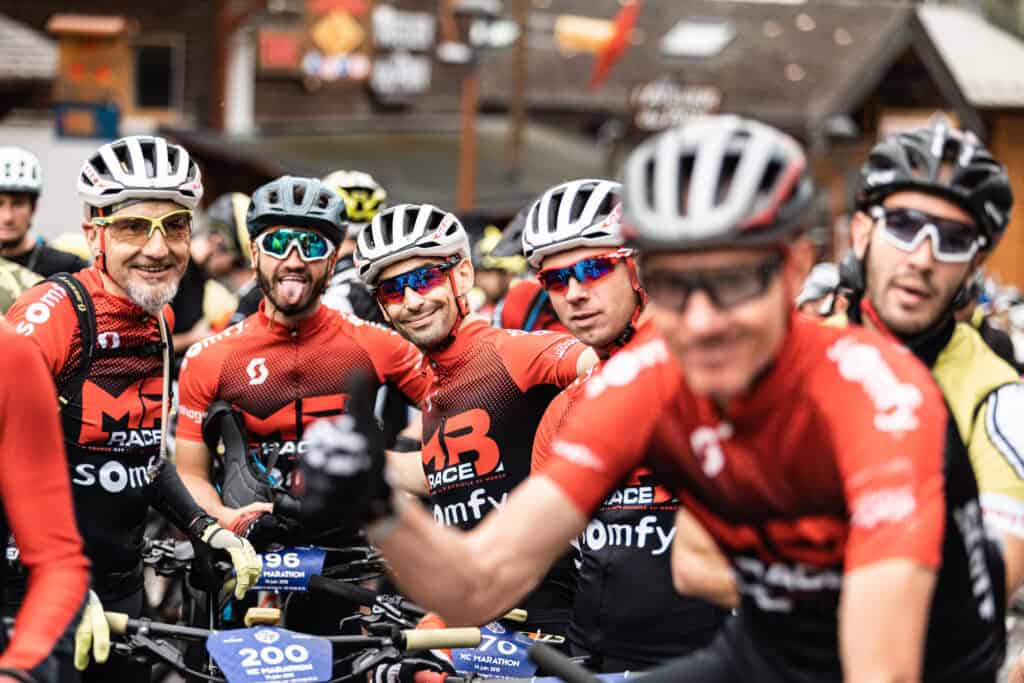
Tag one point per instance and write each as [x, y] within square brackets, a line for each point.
[104, 334]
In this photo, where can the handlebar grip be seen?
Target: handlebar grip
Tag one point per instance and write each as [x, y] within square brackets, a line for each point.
[270, 616]
[517, 615]
[436, 638]
[347, 591]
[558, 665]
[118, 622]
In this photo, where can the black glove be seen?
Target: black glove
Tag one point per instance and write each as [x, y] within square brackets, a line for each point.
[405, 670]
[343, 466]
[267, 528]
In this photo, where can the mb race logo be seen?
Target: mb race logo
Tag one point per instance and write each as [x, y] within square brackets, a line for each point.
[460, 450]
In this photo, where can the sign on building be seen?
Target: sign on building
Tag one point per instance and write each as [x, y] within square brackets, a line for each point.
[664, 103]
[404, 44]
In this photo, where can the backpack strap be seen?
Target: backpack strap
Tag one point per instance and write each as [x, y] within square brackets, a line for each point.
[534, 311]
[81, 301]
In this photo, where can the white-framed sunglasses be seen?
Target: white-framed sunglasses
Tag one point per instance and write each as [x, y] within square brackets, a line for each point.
[952, 241]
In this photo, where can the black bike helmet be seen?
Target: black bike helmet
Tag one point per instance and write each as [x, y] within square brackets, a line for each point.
[721, 181]
[942, 161]
[297, 202]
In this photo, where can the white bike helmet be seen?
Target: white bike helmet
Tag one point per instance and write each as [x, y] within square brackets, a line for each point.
[579, 213]
[139, 167]
[20, 171]
[404, 231]
[721, 181]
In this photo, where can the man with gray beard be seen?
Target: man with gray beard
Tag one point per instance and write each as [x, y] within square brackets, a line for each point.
[104, 333]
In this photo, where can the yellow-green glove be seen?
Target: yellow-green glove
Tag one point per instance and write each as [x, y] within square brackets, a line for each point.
[92, 635]
[246, 562]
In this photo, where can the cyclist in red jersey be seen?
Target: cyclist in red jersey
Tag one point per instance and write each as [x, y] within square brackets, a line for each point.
[52, 551]
[822, 462]
[627, 615]
[291, 362]
[103, 334]
[489, 386]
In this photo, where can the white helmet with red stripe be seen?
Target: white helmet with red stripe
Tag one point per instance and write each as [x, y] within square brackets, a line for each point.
[721, 181]
[404, 231]
[136, 168]
[579, 213]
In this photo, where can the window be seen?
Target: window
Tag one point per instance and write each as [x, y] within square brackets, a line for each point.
[159, 73]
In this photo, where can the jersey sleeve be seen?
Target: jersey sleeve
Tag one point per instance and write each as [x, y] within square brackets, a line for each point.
[997, 454]
[44, 314]
[610, 425]
[554, 417]
[542, 358]
[37, 502]
[889, 431]
[397, 361]
[197, 389]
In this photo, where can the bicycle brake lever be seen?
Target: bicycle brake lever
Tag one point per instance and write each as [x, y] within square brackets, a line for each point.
[158, 648]
[369, 661]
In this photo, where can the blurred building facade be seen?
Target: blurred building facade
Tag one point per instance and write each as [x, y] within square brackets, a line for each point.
[262, 87]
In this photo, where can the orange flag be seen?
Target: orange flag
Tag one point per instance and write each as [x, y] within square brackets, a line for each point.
[616, 45]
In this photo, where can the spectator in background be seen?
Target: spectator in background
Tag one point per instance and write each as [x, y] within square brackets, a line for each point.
[819, 296]
[363, 198]
[21, 181]
[494, 274]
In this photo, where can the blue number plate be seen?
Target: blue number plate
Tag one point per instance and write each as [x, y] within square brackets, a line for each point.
[290, 569]
[501, 654]
[265, 654]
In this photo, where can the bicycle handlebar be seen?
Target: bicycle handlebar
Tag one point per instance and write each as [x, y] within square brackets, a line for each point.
[409, 639]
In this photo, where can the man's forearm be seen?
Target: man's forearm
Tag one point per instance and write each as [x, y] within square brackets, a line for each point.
[471, 578]
[206, 495]
[405, 472]
[883, 616]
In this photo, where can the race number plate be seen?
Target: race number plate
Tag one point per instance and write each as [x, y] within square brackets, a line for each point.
[290, 569]
[500, 654]
[266, 654]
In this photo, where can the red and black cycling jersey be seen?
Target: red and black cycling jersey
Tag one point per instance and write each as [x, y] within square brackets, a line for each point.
[283, 378]
[489, 391]
[36, 504]
[111, 421]
[626, 606]
[842, 455]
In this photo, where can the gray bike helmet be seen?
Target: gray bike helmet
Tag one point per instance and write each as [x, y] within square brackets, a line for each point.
[722, 181]
[299, 203]
[942, 161]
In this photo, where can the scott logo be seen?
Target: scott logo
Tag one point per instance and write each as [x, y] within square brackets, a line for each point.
[257, 371]
[460, 450]
[109, 340]
[706, 444]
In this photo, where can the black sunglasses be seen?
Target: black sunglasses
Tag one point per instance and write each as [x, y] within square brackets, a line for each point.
[726, 287]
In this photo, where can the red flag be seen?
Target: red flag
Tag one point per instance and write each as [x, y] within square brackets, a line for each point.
[616, 45]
